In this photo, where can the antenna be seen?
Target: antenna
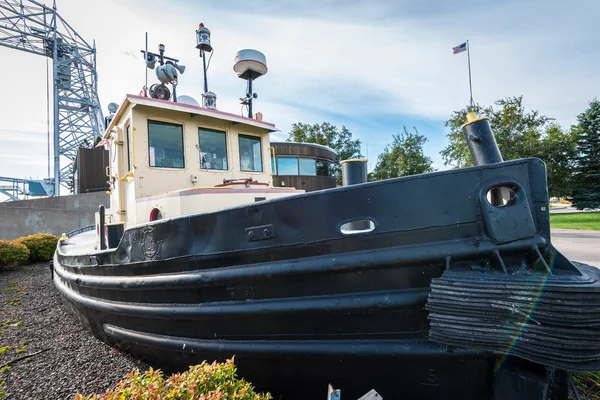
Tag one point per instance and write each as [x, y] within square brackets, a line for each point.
[209, 99]
[146, 58]
[166, 72]
[250, 65]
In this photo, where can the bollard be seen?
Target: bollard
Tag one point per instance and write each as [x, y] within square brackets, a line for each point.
[481, 141]
[483, 147]
[354, 171]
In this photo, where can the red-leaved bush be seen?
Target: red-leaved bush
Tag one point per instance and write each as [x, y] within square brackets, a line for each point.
[216, 381]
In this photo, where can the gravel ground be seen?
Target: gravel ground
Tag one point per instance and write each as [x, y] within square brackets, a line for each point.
[33, 318]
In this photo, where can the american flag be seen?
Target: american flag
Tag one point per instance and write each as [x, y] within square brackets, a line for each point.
[460, 48]
[102, 143]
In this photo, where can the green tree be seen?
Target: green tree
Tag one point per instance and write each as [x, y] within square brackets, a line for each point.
[586, 185]
[557, 149]
[328, 135]
[403, 157]
[517, 132]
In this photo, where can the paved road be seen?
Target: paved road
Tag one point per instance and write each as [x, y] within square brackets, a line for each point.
[565, 208]
[581, 246]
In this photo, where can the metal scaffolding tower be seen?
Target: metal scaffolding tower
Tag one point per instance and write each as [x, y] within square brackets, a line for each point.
[35, 28]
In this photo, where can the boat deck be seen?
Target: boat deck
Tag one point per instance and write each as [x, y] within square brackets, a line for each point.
[80, 242]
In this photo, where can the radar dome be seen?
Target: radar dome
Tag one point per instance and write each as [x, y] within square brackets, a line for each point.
[250, 64]
[185, 99]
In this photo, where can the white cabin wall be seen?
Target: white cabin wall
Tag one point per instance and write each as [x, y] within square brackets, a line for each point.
[129, 183]
[118, 170]
[169, 207]
[156, 180]
[131, 186]
[114, 148]
[202, 201]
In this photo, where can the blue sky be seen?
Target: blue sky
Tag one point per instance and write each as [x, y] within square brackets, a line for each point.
[372, 66]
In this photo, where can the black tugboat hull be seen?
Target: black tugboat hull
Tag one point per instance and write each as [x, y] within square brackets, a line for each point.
[301, 304]
[300, 369]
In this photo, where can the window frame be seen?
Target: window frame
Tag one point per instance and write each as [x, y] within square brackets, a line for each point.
[154, 121]
[274, 170]
[226, 148]
[313, 159]
[329, 165]
[262, 161]
[288, 156]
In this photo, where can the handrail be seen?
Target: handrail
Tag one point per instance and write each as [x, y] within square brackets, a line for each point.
[127, 175]
[132, 148]
[272, 149]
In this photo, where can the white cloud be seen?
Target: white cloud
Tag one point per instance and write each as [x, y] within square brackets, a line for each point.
[349, 65]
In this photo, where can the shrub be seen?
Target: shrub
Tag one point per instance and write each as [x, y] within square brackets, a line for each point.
[12, 253]
[41, 246]
[216, 381]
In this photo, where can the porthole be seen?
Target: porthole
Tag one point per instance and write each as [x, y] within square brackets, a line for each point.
[155, 214]
[501, 196]
[358, 226]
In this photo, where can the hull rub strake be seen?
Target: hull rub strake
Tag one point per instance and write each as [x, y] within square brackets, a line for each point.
[352, 348]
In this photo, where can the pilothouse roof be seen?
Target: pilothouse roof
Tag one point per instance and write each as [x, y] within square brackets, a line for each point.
[187, 108]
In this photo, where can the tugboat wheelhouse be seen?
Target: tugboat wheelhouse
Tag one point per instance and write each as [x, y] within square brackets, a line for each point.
[161, 150]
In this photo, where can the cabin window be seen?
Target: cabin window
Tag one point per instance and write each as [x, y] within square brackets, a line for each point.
[213, 149]
[308, 166]
[287, 165]
[128, 139]
[290, 165]
[325, 168]
[165, 144]
[250, 153]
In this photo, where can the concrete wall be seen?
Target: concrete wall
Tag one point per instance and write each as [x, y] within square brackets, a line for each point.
[49, 215]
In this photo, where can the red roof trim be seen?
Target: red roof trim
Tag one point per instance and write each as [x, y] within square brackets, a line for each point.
[204, 110]
[195, 192]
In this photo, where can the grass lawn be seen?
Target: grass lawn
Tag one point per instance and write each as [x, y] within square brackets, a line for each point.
[586, 220]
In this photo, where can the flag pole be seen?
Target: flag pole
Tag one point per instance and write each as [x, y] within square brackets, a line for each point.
[469, 60]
